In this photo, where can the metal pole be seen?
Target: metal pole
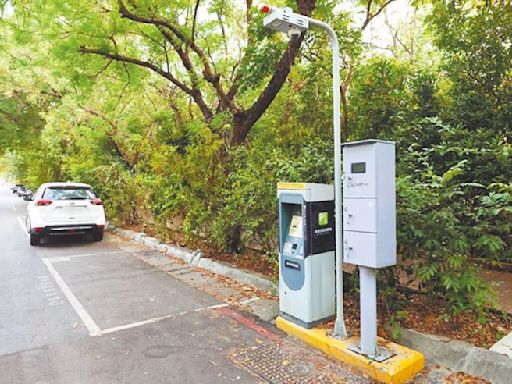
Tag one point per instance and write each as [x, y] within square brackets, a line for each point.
[368, 295]
[340, 330]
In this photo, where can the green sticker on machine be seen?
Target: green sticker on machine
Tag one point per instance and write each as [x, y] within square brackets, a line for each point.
[323, 218]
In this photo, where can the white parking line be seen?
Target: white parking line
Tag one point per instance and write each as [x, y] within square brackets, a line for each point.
[248, 301]
[57, 259]
[23, 227]
[89, 323]
[155, 319]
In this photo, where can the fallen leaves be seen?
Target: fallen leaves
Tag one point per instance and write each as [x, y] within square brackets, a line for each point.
[426, 317]
[462, 378]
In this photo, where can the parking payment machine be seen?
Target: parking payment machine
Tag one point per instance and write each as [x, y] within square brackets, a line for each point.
[306, 253]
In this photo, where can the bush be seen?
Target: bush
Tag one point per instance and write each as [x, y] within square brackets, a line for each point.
[444, 217]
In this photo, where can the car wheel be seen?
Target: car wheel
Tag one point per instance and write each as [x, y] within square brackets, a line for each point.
[34, 240]
[98, 236]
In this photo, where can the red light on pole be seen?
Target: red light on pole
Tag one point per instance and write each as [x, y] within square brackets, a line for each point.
[265, 9]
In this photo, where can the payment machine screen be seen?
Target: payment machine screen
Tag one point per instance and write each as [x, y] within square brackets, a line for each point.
[294, 243]
[295, 226]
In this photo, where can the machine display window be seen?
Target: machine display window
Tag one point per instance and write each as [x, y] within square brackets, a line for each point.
[295, 226]
[358, 167]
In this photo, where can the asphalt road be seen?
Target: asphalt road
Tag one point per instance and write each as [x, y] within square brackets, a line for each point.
[77, 311]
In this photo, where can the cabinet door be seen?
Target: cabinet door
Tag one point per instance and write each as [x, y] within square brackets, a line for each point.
[360, 215]
[360, 248]
[359, 173]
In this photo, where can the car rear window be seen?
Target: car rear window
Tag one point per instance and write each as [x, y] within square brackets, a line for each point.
[69, 193]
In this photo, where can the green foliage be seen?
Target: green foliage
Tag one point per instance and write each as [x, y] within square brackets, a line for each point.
[379, 98]
[394, 323]
[475, 39]
[492, 224]
[440, 226]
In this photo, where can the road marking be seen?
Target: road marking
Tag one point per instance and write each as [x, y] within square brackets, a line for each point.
[250, 324]
[156, 319]
[58, 259]
[23, 227]
[251, 300]
[48, 288]
[89, 323]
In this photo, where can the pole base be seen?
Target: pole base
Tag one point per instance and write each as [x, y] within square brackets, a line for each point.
[399, 368]
[382, 354]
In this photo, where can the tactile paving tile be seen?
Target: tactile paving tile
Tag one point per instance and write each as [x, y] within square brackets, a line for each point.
[277, 364]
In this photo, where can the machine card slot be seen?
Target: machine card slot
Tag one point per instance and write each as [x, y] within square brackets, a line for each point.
[292, 265]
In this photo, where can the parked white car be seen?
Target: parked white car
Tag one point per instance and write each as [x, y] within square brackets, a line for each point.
[65, 209]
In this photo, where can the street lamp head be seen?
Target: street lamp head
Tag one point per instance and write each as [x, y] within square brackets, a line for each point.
[284, 20]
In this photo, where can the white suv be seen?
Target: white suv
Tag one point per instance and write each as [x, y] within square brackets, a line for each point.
[65, 209]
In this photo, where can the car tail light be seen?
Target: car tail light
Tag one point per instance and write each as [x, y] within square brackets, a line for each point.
[38, 229]
[96, 201]
[101, 226]
[43, 202]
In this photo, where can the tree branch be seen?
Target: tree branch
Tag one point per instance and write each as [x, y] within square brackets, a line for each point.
[244, 120]
[194, 20]
[194, 93]
[187, 63]
[141, 63]
[10, 116]
[370, 16]
[220, 17]
[185, 59]
[208, 72]
[176, 31]
[110, 134]
[53, 93]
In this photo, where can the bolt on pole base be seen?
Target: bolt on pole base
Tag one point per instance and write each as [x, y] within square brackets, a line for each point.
[382, 354]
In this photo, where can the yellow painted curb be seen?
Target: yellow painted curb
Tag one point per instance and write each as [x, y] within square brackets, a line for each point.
[397, 369]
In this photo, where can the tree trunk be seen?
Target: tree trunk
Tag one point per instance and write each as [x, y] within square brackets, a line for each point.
[243, 121]
[234, 239]
[240, 129]
[344, 117]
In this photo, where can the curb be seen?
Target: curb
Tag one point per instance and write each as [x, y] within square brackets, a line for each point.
[403, 365]
[196, 259]
[504, 346]
[460, 356]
